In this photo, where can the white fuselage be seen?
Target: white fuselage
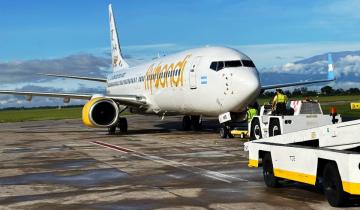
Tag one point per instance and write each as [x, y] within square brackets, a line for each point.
[184, 83]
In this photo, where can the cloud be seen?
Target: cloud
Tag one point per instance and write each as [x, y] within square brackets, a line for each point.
[21, 76]
[347, 65]
[264, 55]
[20, 101]
[80, 64]
[345, 9]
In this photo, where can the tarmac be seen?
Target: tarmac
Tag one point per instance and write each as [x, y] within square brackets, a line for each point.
[61, 164]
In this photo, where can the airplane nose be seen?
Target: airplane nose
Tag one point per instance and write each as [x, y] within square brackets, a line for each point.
[248, 83]
[245, 88]
[252, 82]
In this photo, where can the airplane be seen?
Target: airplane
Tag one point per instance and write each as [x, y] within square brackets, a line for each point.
[208, 81]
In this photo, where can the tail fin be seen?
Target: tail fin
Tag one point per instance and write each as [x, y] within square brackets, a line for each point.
[331, 74]
[118, 61]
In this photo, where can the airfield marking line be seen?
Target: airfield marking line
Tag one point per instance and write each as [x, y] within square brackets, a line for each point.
[192, 169]
[111, 146]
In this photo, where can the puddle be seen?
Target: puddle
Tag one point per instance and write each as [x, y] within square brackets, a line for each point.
[70, 164]
[17, 150]
[61, 148]
[135, 206]
[89, 178]
[206, 154]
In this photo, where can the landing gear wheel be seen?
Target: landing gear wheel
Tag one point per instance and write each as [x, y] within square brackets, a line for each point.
[255, 131]
[112, 130]
[274, 128]
[196, 122]
[268, 172]
[333, 186]
[123, 125]
[186, 123]
[224, 132]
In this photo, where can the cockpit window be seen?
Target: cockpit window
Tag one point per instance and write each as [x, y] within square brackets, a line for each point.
[229, 64]
[213, 65]
[218, 65]
[248, 63]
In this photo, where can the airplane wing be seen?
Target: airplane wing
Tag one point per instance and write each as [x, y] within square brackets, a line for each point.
[76, 77]
[331, 77]
[47, 94]
[130, 100]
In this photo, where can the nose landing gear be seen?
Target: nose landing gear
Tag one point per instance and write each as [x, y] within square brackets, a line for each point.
[225, 131]
[191, 122]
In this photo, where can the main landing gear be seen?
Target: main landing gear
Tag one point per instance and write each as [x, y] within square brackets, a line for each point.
[191, 122]
[122, 125]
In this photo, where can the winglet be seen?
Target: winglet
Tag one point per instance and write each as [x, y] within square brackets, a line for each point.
[118, 61]
[331, 74]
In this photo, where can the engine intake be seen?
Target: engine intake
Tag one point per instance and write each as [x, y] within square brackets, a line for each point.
[100, 112]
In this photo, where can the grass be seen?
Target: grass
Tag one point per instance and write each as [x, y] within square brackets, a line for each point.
[342, 106]
[343, 109]
[39, 114]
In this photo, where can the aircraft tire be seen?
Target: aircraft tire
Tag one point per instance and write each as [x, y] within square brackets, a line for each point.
[224, 132]
[186, 123]
[196, 122]
[123, 125]
[112, 130]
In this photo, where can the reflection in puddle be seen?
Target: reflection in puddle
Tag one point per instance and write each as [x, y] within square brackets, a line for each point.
[71, 164]
[17, 150]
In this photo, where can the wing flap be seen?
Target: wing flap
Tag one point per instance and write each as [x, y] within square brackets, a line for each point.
[76, 77]
[130, 100]
[48, 94]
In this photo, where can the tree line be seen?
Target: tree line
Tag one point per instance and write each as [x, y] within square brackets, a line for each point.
[324, 91]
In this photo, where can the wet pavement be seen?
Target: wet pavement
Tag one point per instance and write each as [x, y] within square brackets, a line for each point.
[64, 165]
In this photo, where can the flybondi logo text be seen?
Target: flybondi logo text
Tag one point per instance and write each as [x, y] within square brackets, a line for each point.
[167, 75]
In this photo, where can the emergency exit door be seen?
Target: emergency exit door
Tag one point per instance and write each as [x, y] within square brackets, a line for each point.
[192, 75]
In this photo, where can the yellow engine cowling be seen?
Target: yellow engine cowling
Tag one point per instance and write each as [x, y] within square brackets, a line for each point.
[100, 112]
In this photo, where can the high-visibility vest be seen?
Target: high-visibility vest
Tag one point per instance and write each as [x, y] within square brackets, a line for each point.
[281, 98]
[251, 113]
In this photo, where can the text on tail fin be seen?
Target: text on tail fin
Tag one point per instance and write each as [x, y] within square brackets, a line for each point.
[118, 61]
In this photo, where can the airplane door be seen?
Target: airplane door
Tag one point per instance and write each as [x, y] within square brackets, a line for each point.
[192, 74]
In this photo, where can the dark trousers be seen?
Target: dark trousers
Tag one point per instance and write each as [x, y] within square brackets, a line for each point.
[280, 109]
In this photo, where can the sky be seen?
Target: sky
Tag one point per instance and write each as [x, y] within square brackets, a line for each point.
[66, 36]
[48, 29]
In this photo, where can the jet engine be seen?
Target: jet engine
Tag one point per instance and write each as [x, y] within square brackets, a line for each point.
[100, 112]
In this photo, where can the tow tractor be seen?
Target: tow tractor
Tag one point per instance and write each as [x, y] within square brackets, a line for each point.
[300, 115]
[326, 156]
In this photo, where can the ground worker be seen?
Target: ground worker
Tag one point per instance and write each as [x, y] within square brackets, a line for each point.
[279, 102]
[251, 112]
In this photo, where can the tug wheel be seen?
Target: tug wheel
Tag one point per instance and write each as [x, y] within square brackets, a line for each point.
[333, 186]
